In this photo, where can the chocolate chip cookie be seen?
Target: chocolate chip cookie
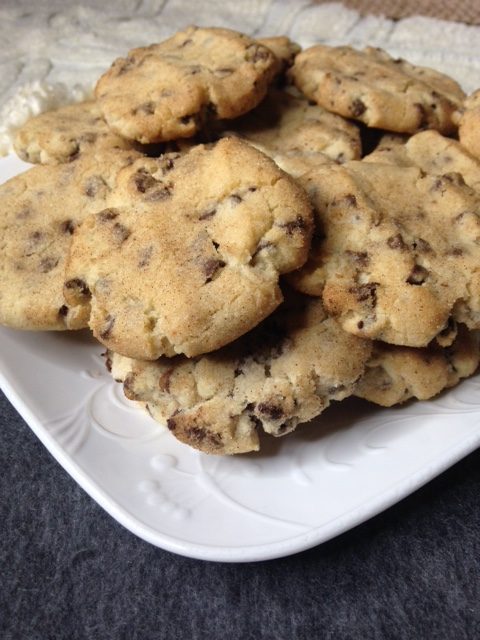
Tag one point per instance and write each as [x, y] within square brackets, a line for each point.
[376, 89]
[60, 136]
[40, 210]
[396, 374]
[433, 153]
[297, 134]
[286, 371]
[396, 252]
[187, 256]
[169, 90]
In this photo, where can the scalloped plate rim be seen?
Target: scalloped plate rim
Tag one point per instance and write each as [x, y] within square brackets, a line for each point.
[250, 553]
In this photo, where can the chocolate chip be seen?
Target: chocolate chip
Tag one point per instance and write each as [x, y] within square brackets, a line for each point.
[297, 225]
[93, 186]
[210, 268]
[120, 232]
[107, 214]
[129, 386]
[361, 258]
[422, 246]
[271, 411]
[144, 180]
[200, 434]
[209, 213]
[63, 311]
[47, 264]
[166, 164]
[79, 286]
[351, 200]
[67, 226]
[163, 192]
[357, 108]
[107, 329]
[396, 242]
[257, 53]
[365, 293]
[164, 380]
[418, 275]
[108, 361]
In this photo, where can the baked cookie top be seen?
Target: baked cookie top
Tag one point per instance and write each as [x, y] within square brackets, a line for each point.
[40, 210]
[188, 255]
[168, 90]
[285, 371]
[59, 136]
[396, 374]
[291, 130]
[469, 124]
[396, 252]
[372, 87]
[431, 152]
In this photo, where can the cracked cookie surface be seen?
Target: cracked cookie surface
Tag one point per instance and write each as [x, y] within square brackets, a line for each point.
[285, 371]
[188, 255]
[168, 90]
[396, 252]
[40, 210]
[396, 374]
[298, 135]
[60, 136]
[372, 87]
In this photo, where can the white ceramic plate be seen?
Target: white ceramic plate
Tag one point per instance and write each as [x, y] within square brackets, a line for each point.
[338, 471]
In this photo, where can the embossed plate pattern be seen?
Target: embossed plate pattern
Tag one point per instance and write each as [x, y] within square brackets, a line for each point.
[343, 468]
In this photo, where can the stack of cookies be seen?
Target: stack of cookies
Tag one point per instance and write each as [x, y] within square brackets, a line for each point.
[253, 231]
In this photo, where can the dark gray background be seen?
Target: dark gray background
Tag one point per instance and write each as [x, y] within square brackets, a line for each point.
[69, 571]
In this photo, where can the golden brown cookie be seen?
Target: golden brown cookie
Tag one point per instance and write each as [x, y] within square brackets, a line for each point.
[188, 255]
[40, 210]
[298, 135]
[372, 87]
[61, 135]
[169, 90]
[396, 252]
[431, 152]
[396, 374]
[286, 371]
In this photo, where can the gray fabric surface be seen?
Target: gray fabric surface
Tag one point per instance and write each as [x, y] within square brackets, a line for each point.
[68, 571]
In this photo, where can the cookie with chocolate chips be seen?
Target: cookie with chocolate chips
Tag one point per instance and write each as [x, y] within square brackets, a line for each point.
[284, 372]
[372, 87]
[40, 210]
[61, 135]
[188, 254]
[396, 374]
[298, 135]
[431, 152]
[396, 252]
[169, 90]
[469, 124]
